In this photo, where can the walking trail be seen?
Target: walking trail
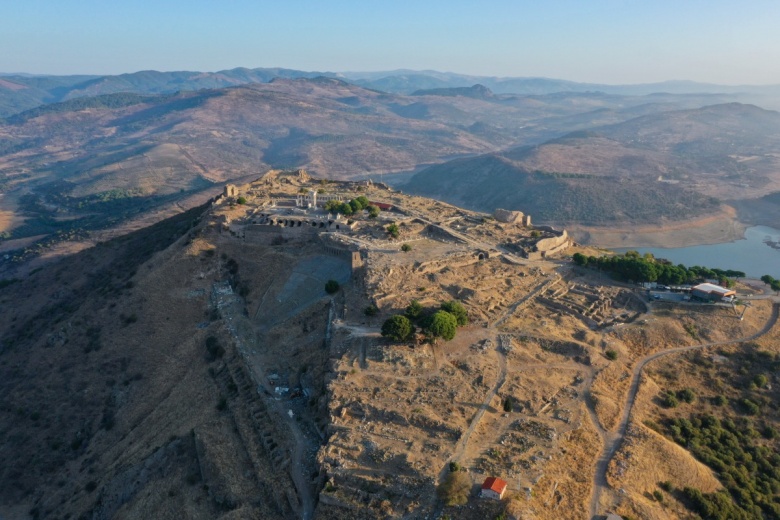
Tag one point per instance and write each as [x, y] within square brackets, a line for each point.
[613, 440]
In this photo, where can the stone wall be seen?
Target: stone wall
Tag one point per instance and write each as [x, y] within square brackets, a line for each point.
[512, 217]
[547, 245]
[508, 217]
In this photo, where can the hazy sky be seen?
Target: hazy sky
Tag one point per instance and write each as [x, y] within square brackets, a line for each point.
[603, 41]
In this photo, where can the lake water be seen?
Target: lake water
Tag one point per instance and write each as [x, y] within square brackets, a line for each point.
[756, 255]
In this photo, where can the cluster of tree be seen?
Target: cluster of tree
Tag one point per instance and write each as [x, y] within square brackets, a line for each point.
[353, 206]
[672, 399]
[749, 470]
[442, 323]
[771, 282]
[647, 268]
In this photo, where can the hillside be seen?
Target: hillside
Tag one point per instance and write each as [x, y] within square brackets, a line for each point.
[667, 166]
[200, 368]
[91, 164]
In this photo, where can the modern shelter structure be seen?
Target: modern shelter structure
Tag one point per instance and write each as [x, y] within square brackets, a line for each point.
[711, 292]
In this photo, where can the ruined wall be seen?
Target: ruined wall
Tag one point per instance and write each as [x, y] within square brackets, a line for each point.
[443, 234]
[546, 245]
[508, 217]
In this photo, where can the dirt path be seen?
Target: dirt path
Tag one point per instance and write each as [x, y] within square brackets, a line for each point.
[614, 439]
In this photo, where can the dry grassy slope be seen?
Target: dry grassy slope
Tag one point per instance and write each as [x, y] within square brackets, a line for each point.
[647, 458]
[487, 182]
[109, 406]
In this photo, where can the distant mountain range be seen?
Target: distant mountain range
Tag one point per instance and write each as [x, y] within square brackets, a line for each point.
[93, 162]
[19, 92]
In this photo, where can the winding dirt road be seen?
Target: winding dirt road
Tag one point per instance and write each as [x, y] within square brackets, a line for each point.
[613, 440]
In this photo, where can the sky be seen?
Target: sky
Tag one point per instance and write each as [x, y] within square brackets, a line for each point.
[598, 41]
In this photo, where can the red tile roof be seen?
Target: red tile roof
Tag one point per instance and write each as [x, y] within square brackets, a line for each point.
[494, 484]
[381, 205]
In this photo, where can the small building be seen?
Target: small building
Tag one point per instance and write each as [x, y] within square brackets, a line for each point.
[382, 205]
[493, 487]
[711, 292]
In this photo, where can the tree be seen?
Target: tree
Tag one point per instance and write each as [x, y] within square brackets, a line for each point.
[508, 404]
[414, 310]
[241, 200]
[580, 259]
[443, 325]
[406, 248]
[669, 400]
[373, 211]
[686, 395]
[455, 489]
[455, 308]
[331, 287]
[371, 310]
[363, 201]
[611, 354]
[393, 230]
[397, 328]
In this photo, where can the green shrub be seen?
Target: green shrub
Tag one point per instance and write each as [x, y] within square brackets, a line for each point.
[749, 407]
[612, 355]
[686, 395]
[669, 400]
[443, 325]
[406, 248]
[455, 308]
[371, 310]
[332, 287]
[397, 328]
[414, 310]
[241, 200]
[393, 230]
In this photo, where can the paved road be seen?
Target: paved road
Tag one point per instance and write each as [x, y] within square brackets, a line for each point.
[613, 440]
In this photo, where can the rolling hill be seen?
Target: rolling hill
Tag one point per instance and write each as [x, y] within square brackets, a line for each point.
[661, 167]
[98, 162]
